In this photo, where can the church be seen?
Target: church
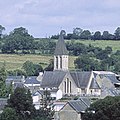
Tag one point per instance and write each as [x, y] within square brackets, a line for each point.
[61, 81]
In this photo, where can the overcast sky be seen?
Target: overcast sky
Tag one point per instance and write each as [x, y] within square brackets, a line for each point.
[47, 17]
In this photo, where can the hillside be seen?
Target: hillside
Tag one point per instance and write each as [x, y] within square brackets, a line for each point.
[13, 61]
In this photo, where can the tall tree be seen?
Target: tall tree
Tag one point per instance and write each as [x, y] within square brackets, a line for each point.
[1, 30]
[97, 35]
[105, 109]
[117, 33]
[18, 39]
[105, 35]
[2, 82]
[85, 35]
[21, 101]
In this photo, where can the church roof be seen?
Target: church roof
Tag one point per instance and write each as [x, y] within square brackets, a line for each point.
[81, 78]
[94, 84]
[52, 78]
[60, 46]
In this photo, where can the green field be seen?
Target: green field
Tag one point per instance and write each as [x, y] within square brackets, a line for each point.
[13, 62]
[101, 43]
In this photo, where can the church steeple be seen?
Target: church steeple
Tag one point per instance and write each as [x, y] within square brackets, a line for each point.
[60, 46]
[61, 54]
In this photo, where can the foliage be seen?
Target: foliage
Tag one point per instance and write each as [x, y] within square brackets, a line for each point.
[8, 114]
[117, 33]
[85, 63]
[2, 82]
[50, 67]
[1, 30]
[21, 102]
[31, 68]
[18, 39]
[16, 72]
[105, 109]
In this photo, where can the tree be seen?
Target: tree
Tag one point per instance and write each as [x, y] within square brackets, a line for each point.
[108, 50]
[50, 67]
[21, 101]
[105, 35]
[77, 31]
[18, 39]
[117, 33]
[1, 30]
[97, 35]
[103, 54]
[85, 34]
[85, 63]
[31, 68]
[8, 114]
[2, 82]
[105, 109]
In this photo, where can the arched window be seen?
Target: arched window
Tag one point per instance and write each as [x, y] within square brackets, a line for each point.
[70, 86]
[65, 86]
[60, 62]
[57, 62]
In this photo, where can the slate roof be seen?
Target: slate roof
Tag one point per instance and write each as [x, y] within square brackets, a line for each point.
[81, 78]
[94, 84]
[32, 80]
[3, 102]
[112, 78]
[52, 78]
[15, 78]
[79, 105]
[60, 46]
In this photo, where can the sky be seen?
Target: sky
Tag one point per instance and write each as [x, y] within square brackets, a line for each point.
[43, 18]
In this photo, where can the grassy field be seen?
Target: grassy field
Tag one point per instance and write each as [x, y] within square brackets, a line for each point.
[13, 62]
[102, 43]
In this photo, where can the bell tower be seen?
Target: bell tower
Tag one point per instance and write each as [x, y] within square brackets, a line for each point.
[61, 54]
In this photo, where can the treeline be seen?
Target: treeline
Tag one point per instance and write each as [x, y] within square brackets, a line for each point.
[79, 33]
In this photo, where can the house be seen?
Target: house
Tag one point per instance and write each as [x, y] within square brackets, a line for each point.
[3, 102]
[32, 83]
[37, 96]
[16, 81]
[73, 110]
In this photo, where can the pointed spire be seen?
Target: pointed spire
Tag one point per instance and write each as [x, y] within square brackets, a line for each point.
[60, 46]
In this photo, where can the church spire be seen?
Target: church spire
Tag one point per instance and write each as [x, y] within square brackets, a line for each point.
[60, 46]
[61, 54]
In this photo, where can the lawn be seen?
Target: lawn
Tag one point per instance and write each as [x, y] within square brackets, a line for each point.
[13, 61]
[115, 45]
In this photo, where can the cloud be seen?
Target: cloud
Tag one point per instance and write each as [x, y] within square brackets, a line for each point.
[48, 16]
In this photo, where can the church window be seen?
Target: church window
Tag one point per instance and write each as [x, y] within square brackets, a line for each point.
[56, 62]
[60, 62]
[70, 86]
[65, 86]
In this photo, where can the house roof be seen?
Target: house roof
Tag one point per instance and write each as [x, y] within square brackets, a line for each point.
[15, 78]
[39, 92]
[52, 78]
[81, 78]
[32, 80]
[60, 46]
[112, 78]
[79, 105]
[3, 102]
